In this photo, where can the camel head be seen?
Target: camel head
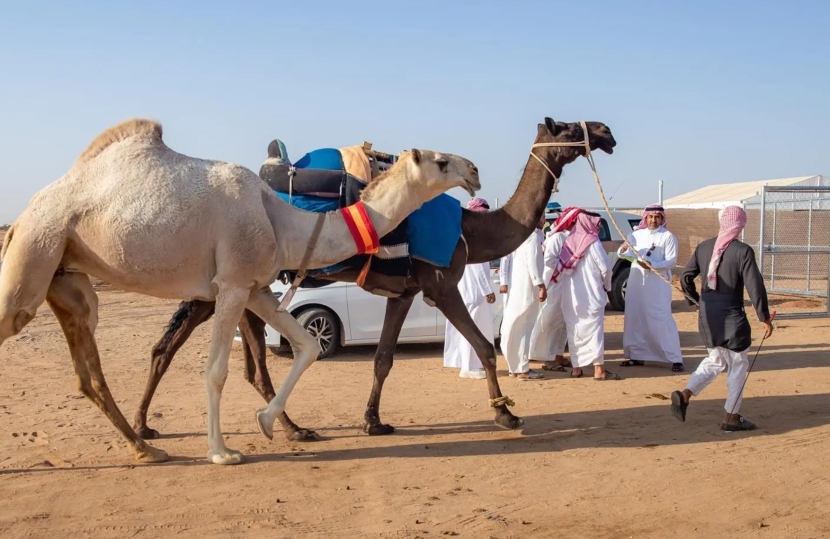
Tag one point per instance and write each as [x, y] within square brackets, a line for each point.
[439, 172]
[599, 138]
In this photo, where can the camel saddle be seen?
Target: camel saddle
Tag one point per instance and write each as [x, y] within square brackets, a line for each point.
[319, 182]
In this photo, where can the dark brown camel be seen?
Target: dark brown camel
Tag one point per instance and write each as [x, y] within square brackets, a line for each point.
[486, 236]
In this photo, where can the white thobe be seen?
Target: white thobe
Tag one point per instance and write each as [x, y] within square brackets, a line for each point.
[522, 307]
[505, 266]
[474, 286]
[504, 270]
[720, 359]
[584, 295]
[550, 334]
[649, 330]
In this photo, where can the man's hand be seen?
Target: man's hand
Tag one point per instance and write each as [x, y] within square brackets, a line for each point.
[503, 289]
[768, 326]
[644, 264]
[491, 298]
[543, 293]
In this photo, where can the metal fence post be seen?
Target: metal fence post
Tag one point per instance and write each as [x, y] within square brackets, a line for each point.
[809, 241]
[761, 227]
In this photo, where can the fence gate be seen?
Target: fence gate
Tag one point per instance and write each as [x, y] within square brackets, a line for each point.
[792, 229]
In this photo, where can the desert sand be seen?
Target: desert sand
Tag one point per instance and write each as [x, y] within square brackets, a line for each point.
[594, 460]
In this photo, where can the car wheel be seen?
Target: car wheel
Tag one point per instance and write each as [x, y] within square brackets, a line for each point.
[324, 327]
[618, 288]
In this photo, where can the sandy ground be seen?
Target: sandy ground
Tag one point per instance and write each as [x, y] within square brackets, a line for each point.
[594, 459]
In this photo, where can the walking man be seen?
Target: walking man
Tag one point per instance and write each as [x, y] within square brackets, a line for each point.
[729, 267]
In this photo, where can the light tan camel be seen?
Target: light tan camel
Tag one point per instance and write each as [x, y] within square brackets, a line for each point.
[146, 219]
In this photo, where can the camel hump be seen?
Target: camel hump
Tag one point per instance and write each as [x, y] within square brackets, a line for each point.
[135, 127]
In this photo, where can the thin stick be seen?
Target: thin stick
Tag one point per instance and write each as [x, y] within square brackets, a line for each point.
[740, 393]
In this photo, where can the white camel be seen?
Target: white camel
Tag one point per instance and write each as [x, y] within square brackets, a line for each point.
[146, 219]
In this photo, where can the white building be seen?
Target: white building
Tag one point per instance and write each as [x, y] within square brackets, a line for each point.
[741, 194]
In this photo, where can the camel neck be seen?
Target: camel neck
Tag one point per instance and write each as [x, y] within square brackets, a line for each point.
[492, 235]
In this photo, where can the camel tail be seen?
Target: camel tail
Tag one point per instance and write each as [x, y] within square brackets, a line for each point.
[29, 261]
[6, 242]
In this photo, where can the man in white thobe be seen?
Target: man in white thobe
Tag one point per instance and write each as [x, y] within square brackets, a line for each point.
[478, 296]
[547, 343]
[649, 330]
[527, 291]
[585, 273]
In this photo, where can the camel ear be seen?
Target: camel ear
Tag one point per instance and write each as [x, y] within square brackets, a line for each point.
[416, 155]
[555, 127]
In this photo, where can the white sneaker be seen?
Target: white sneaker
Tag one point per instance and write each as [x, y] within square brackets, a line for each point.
[464, 374]
[478, 374]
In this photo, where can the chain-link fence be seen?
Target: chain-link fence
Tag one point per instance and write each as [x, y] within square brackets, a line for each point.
[789, 228]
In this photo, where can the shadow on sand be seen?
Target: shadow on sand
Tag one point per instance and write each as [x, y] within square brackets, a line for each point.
[655, 426]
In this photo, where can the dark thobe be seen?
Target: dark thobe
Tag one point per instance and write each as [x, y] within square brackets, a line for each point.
[722, 319]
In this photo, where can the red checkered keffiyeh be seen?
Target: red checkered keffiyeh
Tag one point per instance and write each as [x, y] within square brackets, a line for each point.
[585, 232]
[478, 204]
[654, 209]
[732, 222]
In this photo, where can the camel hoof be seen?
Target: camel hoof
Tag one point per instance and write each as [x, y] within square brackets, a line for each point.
[151, 455]
[265, 427]
[146, 433]
[226, 457]
[300, 435]
[509, 421]
[378, 429]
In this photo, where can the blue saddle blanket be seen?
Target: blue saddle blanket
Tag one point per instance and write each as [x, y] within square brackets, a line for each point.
[311, 203]
[323, 159]
[433, 229]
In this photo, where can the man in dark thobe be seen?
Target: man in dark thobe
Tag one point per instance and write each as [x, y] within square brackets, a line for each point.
[727, 266]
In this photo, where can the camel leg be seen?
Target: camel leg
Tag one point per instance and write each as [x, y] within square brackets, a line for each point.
[306, 349]
[190, 315]
[396, 311]
[252, 329]
[70, 298]
[230, 304]
[448, 300]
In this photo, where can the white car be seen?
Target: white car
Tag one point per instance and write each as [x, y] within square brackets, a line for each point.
[343, 314]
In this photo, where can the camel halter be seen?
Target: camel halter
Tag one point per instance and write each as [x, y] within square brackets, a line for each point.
[586, 144]
[312, 243]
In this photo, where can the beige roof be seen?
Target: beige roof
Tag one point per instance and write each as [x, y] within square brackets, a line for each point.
[721, 195]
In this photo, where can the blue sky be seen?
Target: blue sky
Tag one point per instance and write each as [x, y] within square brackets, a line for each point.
[695, 92]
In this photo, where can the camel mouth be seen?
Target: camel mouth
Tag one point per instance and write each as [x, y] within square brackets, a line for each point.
[471, 187]
[607, 146]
